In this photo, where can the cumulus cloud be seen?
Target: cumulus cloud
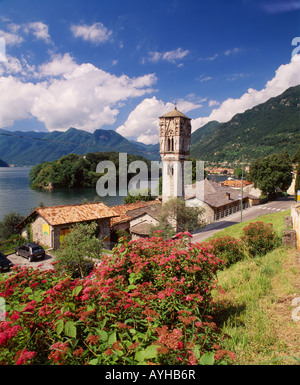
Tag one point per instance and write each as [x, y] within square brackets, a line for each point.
[67, 94]
[142, 122]
[287, 75]
[96, 33]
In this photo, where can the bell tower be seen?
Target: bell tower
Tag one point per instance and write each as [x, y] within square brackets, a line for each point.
[174, 148]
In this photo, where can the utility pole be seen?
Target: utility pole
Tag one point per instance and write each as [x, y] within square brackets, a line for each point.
[242, 188]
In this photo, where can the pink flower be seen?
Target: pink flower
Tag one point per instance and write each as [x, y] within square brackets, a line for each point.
[25, 356]
[188, 298]
[161, 296]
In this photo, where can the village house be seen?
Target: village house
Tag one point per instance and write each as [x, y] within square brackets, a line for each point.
[142, 219]
[218, 201]
[49, 225]
[133, 214]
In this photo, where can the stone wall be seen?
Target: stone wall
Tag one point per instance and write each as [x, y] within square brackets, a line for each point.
[295, 213]
[41, 232]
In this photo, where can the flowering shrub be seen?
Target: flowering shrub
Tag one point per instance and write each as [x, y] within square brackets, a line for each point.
[260, 238]
[149, 302]
[227, 248]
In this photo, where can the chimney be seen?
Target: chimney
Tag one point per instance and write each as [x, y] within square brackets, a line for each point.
[228, 195]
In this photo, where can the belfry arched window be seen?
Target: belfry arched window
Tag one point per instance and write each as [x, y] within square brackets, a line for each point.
[170, 144]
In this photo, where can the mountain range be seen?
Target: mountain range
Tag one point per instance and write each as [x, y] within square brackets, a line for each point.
[267, 128]
[29, 148]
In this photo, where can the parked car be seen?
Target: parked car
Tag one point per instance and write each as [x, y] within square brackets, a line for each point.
[31, 251]
[5, 263]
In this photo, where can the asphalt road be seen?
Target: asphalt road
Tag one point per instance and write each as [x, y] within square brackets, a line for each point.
[254, 212]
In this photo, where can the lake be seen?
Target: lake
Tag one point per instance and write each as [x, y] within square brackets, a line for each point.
[16, 194]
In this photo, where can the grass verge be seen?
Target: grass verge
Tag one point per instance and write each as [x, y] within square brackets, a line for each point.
[256, 307]
[276, 219]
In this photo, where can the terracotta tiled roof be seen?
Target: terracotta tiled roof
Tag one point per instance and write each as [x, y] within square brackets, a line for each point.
[235, 183]
[58, 215]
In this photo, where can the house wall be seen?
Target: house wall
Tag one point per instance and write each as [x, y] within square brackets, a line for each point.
[135, 237]
[60, 231]
[41, 232]
[144, 218]
[295, 214]
[208, 215]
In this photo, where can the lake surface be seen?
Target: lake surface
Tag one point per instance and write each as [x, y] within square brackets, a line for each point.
[16, 194]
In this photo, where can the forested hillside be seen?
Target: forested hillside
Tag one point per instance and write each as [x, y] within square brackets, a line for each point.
[268, 128]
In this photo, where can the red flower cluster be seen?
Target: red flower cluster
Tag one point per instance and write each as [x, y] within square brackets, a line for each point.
[148, 294]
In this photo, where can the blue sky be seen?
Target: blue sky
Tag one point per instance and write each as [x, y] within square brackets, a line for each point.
[120, 64]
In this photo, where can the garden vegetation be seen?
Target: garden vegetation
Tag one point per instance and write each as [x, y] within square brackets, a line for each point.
[150, 302]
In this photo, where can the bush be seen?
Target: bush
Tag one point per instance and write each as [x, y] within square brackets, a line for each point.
[149, 302]
[78, 249]
[260, 238]
[227, 248]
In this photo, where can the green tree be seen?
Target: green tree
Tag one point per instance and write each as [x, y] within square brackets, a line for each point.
[271, 173]
[8, 224]
[78, 249]
[139, 197]
[175, 210]
[238, 172]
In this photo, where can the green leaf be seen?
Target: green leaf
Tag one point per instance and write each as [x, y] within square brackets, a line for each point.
[93, 361]
[59, 326]
[70, 329]
[197, 352]
[103, 335]
[112, 338]
[149, 352]
[131, 287]
[76, 290]
[27, 290]
[207, 359]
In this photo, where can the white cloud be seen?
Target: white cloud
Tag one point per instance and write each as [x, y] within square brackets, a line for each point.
[170, 56]
[142, 122]
[203, 78]
[16, 32]
[287, 75]
[60, 65]
[213, 103]
[96, 33]
[16, 99]
[39, 30]
[11, 38]
[232, 51]
[68, 94]
[274, 7]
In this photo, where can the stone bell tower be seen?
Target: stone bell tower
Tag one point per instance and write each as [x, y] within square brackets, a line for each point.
[174, 145]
